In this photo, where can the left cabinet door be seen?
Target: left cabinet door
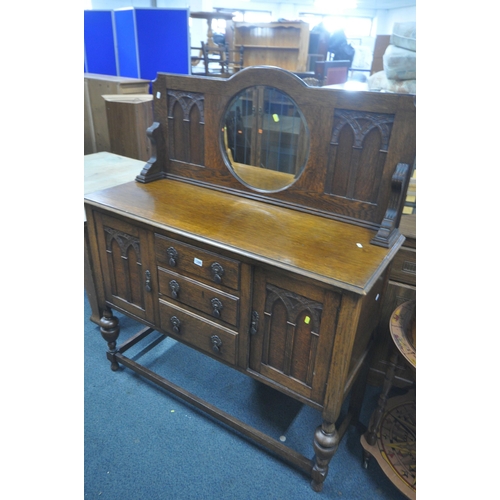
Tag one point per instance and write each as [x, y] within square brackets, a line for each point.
[128, 271]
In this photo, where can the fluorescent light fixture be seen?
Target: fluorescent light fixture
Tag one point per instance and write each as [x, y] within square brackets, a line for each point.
[335, 5]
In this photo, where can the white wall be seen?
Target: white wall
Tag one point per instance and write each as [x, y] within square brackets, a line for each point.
[383, 19]
[386, 18]
[286, 10]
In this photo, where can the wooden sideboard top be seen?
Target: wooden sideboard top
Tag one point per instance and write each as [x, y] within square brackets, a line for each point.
[115, 79]
[333, 252]
[103, 170]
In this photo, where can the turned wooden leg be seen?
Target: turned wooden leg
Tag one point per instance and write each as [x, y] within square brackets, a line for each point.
[326, 442]
[110, 329]
[373, 426]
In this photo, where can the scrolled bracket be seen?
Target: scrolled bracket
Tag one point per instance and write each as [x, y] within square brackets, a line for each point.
[153, 169]
[388, 232]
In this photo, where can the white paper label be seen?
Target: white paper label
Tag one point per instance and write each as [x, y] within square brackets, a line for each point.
[198, 262]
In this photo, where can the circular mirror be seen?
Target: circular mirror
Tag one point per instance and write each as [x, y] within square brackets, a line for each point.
[265, 139]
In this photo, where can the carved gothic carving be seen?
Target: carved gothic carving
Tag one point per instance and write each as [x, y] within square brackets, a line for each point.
[125, 241]
[295, 304]
[362, 123]
[186, 100]
[186, 118]
[126, 265]
[358, 149]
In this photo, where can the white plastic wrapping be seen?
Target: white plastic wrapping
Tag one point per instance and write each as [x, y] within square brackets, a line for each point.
[379, 82]
[404, 35]
[400, 64]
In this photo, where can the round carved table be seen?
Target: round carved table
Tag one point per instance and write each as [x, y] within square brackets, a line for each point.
[391, 434]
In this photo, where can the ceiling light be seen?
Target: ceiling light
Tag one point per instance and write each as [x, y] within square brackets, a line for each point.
[330, 6]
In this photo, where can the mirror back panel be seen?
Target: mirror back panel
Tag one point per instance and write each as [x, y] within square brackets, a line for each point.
[350, 146]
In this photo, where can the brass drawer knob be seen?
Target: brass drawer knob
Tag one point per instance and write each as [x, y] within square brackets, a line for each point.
[217, 272]
[254, 325]
[176, 324]
[147, 283]
[175, 288]
[216, 343]
[217, 307]
[172, 256]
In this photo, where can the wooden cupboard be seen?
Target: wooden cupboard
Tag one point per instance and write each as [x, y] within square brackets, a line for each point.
[129, 117]
[96, 132]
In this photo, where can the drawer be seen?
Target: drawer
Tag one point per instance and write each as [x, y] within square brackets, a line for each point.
[198, 332]
[199, 263]
[404, 267]
[205, 298]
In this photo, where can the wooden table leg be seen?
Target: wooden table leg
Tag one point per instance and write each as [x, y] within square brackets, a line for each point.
[326, 442]
[110, 330]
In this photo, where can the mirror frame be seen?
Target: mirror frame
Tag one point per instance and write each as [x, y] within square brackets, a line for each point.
[261, 179]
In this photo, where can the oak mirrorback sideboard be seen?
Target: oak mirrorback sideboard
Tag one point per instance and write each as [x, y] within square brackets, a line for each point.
[260, 233]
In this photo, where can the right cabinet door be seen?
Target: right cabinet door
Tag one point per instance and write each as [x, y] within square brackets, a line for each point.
[292, 332]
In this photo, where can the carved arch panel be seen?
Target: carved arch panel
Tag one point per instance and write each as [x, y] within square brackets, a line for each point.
[124, 259]
[358, 150]
[186, 121]
[292, 332]
[128, 274]
[291, 350]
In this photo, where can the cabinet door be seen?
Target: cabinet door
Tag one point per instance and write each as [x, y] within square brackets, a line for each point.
[292, 332]
[128, 274]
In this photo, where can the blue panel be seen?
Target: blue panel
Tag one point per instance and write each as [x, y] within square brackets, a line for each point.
[163, 41]
[127, 46]
[99, 42]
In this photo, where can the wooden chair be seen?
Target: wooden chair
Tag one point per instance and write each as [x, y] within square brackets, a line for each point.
[211, 56]
[234, 59]
[197, 61]
[332, 72]
[219, 60]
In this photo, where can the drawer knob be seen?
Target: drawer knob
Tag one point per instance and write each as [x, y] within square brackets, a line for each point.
[217, 272]
[254, 325]
[175, 288]
[216, 307]
[147, 283]
[216, 343]
[176, 324]
[172, 256]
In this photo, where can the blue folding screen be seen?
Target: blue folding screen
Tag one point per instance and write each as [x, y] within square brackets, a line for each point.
[99, 43]
[147, 41]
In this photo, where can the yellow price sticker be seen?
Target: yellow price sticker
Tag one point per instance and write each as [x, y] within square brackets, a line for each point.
[276, 118]
[307, 320]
